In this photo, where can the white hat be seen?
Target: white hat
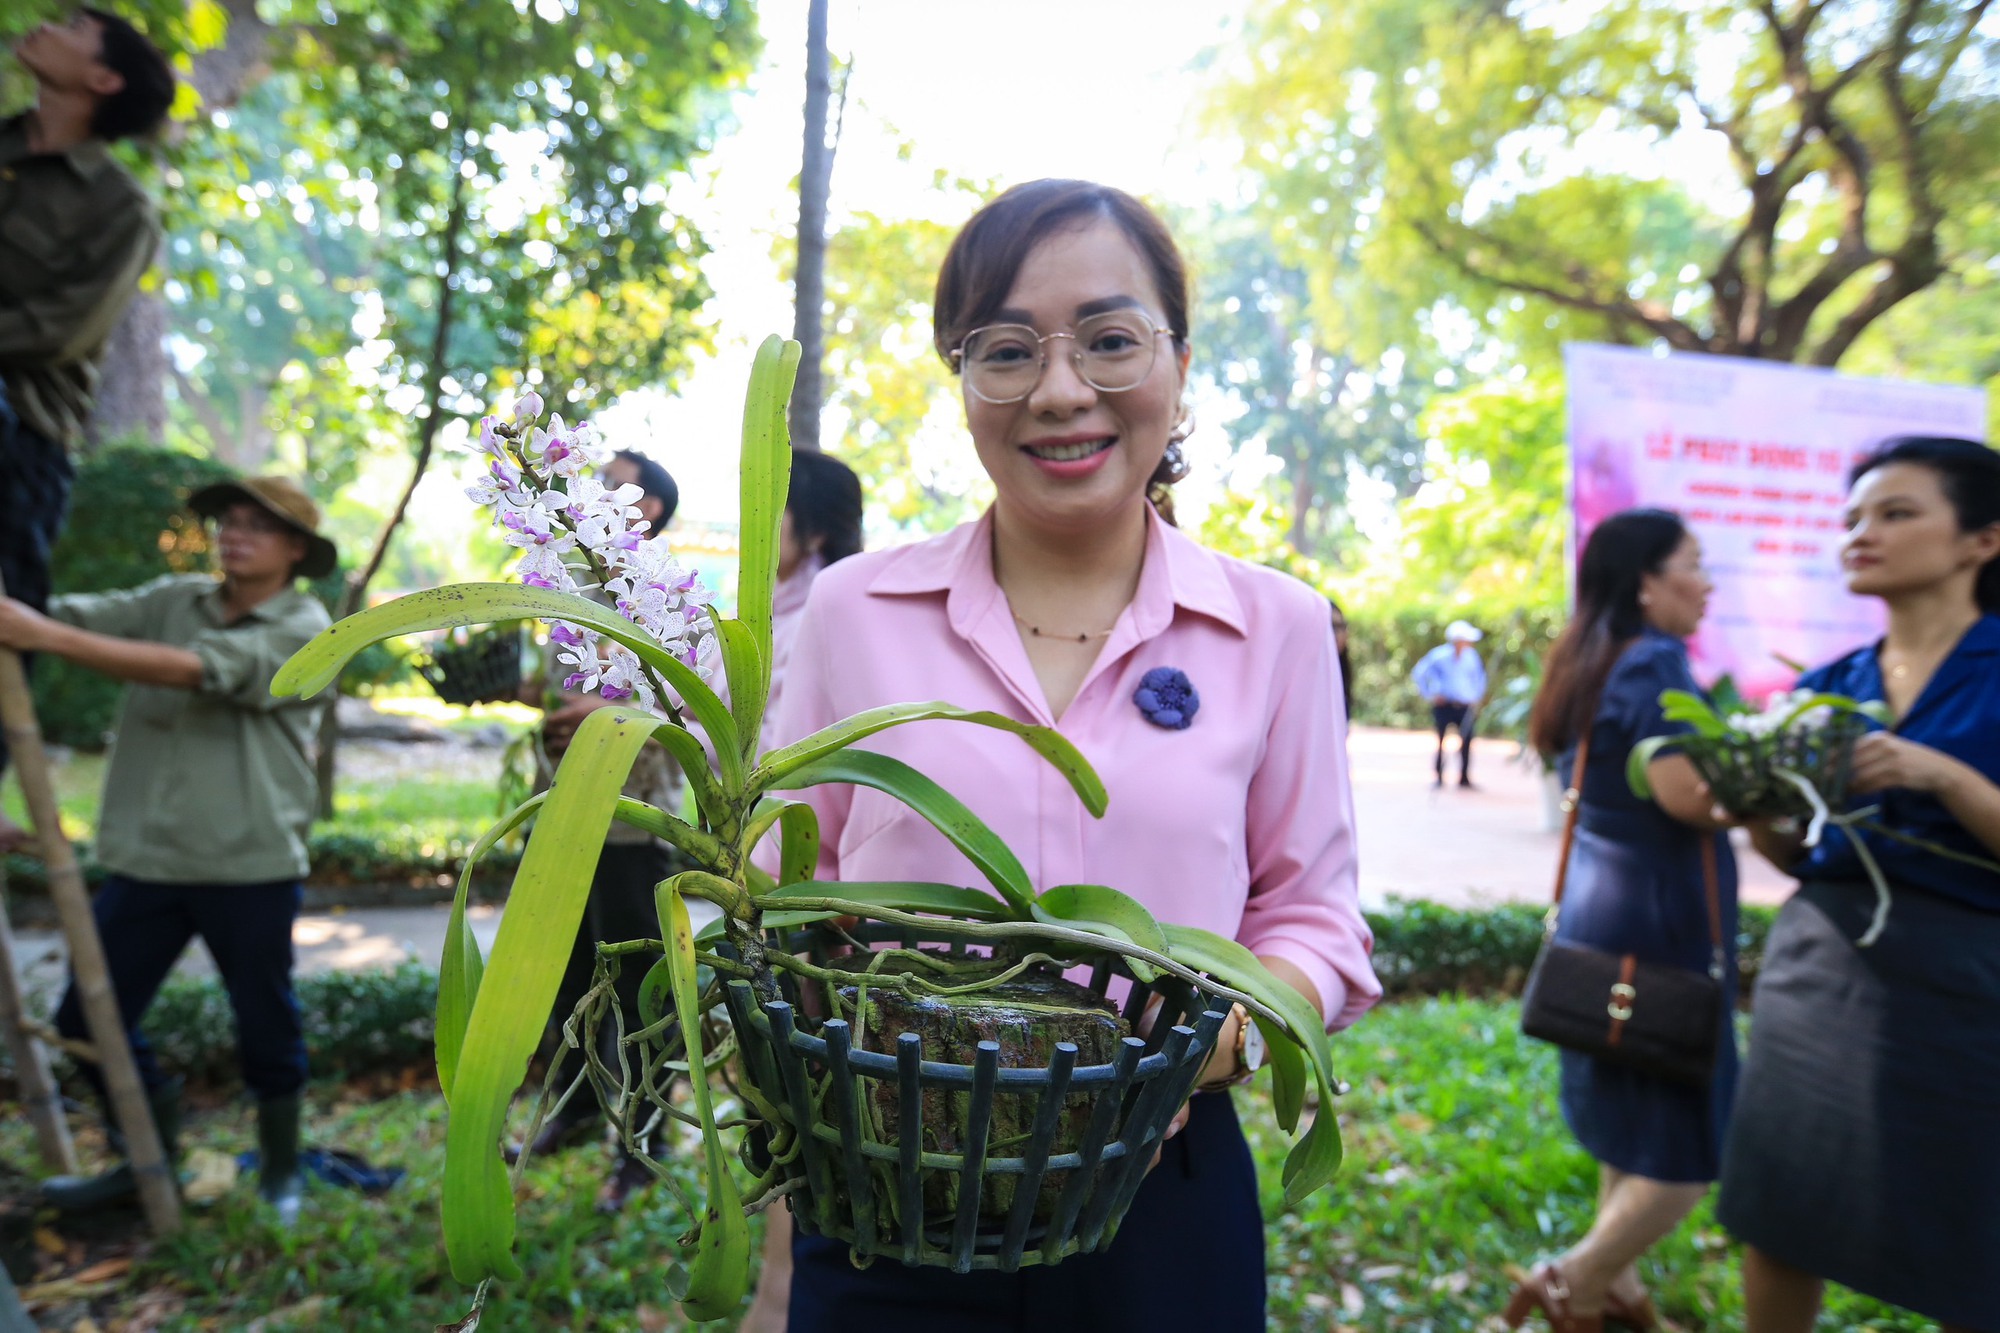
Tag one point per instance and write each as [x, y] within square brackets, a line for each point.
[1461, 631]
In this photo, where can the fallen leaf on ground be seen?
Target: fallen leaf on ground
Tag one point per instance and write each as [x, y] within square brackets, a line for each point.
[103, 1271]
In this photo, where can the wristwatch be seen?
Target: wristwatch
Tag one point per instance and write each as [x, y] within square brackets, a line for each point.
[1249, 1050]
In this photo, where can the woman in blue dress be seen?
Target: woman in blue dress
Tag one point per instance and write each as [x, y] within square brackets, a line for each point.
[1635, 886]
[1866, 1146]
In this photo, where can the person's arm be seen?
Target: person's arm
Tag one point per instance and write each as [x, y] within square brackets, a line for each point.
[1423, 676]
[1883, 760]
[1681, 791]
[69, 321]
[1303, 916]
[140, 661]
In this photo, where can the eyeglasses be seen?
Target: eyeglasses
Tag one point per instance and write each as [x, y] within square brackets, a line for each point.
[1113, 352]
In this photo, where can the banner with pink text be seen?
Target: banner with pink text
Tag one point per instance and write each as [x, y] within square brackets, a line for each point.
[1754, 456]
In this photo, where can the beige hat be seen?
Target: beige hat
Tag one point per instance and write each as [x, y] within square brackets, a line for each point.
[283, 500]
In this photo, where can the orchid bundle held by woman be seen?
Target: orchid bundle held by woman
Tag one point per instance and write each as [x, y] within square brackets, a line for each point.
[808, 1023]
[1789, 760]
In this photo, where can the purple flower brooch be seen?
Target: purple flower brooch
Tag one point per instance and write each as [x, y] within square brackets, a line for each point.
[1167, 697]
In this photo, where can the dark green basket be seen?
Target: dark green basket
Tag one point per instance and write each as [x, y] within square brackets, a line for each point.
[485, 669]
[1054, 1199]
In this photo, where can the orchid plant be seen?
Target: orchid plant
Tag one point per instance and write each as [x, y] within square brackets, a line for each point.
[653, 652]
[1787, 761]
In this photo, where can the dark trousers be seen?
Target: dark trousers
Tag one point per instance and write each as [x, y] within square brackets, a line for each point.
[620, 908]
[1464, 717]
[35, 478]
[248, 930]
[1189, 1255]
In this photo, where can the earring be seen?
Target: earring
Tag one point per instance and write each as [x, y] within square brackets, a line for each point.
[1645, 599]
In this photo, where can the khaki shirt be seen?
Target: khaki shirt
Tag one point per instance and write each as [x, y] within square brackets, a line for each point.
[655, 779]
[76, 234]
[212, 785]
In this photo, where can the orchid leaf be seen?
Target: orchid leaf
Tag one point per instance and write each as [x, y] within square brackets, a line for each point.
[766, 477]
[1643, 754]
[718, 1272]
[798, 848]
[1106, 911]
[536, 935]
[462, 968]
[1051, 745]
[749, 680]
[1315, 1158]
[946, 813]
[315, 666]
[1683, 706]
[895, 895]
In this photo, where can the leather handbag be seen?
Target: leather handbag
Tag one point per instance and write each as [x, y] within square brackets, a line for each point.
[1654, 1017]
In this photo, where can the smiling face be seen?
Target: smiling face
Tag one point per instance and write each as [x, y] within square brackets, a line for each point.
[1903, 535]
[1069, 456]
[1675, 598]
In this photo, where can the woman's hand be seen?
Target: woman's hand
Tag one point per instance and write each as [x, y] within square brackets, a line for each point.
[1883, 760]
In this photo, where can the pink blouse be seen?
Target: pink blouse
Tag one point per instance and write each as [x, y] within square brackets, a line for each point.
[1242, 824]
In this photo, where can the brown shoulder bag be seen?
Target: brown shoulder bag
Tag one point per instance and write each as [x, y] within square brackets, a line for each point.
[1654, 1017]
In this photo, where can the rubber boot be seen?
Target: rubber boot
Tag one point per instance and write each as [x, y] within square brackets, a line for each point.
[83, 1194]
[279, 1181]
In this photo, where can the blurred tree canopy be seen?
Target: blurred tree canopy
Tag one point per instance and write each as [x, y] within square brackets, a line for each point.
[1459, 144]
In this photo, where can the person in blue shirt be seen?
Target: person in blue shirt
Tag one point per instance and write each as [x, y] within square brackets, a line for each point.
[1452, 680]
[1864, 1148]
[1638, 883]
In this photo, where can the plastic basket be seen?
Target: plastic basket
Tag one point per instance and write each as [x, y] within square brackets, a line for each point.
[880, 1196]
[486, 668]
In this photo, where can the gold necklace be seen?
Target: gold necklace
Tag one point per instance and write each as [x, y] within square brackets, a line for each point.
[1041, 633]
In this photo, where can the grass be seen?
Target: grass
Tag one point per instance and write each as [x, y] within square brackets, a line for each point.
[1457, 1165]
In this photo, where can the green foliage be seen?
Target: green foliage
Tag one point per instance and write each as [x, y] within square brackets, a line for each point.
[128, 524]
[1461, 1167]
[1313, 383]
[1458, 158]
[355, 1023]
[486, 1031]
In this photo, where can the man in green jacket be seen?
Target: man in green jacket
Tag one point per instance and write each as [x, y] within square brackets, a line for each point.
[207, 799]
[76, 234]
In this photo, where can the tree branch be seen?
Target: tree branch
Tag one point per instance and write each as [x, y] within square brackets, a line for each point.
[1650, 315]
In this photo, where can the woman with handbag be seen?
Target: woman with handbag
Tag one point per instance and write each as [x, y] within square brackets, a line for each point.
[1864, 1149]
[1649, 888]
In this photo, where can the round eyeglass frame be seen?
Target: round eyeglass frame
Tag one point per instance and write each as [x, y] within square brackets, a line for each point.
[1076, 357]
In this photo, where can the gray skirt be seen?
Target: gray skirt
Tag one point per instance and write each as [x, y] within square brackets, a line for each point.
[1865, 1146]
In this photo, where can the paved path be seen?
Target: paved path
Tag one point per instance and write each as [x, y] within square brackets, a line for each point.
[1492, 844]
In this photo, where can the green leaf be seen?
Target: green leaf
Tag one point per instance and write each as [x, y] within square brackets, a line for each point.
[462, 967]
[508, 1016]
[1682, 706]
[767, 470]
[718, 1273]
[1106, 911]
[946, 813]
[1051, 745]
[1315, 1158]
[749, 680]
[798, 852]
[895, 895]
[1642, 755]
[315, 666]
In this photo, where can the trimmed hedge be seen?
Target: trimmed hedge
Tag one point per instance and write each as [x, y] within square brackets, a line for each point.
[337, 859]
[1385, 642]
[1424, 948]
[357, 1022]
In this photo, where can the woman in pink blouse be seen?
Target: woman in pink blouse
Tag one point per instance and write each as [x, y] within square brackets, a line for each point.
[1203, 689]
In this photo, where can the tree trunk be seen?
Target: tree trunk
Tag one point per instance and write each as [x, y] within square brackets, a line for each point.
[132, 396]
[354, 595]
[815, 183]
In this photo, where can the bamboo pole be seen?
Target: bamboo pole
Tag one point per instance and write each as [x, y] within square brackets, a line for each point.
[129, 1106]
[31, 1059]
